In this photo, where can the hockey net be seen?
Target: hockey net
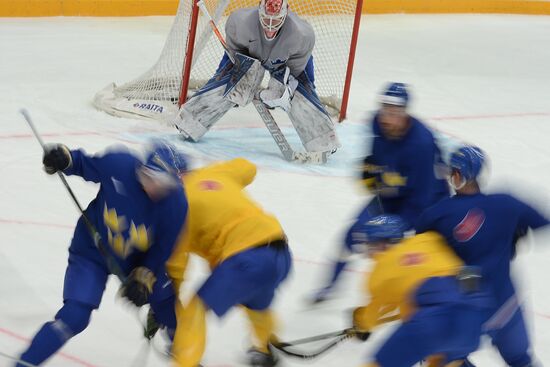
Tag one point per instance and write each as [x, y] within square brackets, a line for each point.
[157, 93]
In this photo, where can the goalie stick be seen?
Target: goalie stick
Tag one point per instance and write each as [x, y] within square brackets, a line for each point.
[288, 153]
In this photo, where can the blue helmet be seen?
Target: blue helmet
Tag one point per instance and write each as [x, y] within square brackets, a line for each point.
[165, 158]
[385, 227]
[468, 161]
[395, 94]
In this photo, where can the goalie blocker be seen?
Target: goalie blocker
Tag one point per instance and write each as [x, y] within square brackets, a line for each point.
[237, 84]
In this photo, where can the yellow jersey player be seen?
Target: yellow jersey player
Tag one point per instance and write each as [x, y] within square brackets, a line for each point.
[422, 282]
[247, 252]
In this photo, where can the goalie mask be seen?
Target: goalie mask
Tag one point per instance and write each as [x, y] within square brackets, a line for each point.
[272, 16]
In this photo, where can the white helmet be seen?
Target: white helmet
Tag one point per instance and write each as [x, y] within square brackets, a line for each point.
[272, 16]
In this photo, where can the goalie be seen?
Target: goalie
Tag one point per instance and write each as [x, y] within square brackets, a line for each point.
[268, 37]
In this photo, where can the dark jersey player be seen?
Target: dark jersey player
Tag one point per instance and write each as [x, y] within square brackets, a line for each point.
[483, 229]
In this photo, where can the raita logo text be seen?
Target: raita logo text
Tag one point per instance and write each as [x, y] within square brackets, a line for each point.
[149, 106]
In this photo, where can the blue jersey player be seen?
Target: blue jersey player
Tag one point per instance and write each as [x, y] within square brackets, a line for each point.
[422, 282]
[138, 212]
[401, 171]
[483, 230]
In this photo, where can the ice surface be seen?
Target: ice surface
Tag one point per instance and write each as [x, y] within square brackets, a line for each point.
[483, 79]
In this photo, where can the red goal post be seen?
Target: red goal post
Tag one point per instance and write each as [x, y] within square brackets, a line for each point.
[191, 54]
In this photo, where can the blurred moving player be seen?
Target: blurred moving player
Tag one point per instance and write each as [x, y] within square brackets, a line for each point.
[265, 37]
[139, 211]
[247, 252]
[422, 282]
[483, 230]
[401, 172]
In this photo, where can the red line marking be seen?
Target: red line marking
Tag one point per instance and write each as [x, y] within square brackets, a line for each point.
[33, 223]
[14, 335]
[546, 316]
[74, 133]
[297, 259]
[49, 135]
[60, 354]
[493, 116]
[66, 226]
[325, 263]
[435, 118]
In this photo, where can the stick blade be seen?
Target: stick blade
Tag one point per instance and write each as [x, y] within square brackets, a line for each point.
[25, 113]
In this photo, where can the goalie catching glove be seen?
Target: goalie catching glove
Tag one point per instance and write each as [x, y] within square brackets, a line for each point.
[138, 286]
[279, 94]
[57, 157]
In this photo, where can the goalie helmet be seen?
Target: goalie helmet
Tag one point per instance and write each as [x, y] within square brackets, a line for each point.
[469, 161]
[272, 16]
[395, 94]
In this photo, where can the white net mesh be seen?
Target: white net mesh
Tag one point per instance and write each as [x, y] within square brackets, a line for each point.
[155, 93]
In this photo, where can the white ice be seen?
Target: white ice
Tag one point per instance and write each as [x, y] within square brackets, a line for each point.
[483, 79]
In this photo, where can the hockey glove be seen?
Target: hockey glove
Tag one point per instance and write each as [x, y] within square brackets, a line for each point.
[57, 157]
[138, 286]
[272, 96]
[152, 325]
[371, 173]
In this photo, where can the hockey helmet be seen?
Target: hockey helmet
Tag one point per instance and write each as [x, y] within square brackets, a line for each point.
[469, 161]
[164, 163]
[384, 228]
[272, 16]
[395, 94]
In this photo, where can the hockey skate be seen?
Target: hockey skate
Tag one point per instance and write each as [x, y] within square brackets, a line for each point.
[260, 359]
[322, 295]
[185, 136]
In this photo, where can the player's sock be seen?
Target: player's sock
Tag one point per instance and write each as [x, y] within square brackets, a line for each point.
[263, 326]
[71, 319]
[165, 314]
[190, 340]
[338, 268]
[324, 293]
[46, 342]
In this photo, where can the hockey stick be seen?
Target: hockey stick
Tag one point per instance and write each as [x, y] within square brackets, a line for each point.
[288, 153]
[110, 261]
[339, 336]
[112, 265]
[17, 360]
[315, 338]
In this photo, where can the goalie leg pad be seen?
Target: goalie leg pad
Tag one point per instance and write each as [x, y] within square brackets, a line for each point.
[310, 119]
[246, 77]
[204, 108]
